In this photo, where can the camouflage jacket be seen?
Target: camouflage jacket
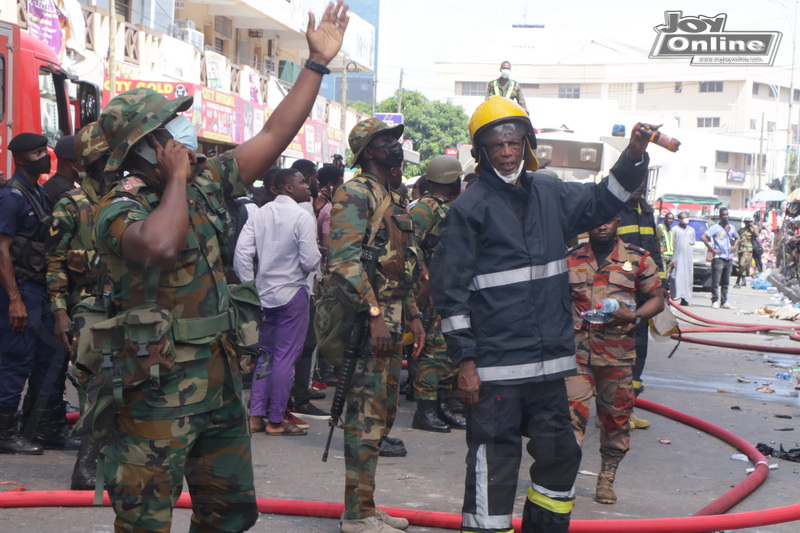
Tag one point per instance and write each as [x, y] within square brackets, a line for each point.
[510, 90]
[72, 264]
[428, 215]
[626, 274]
[746, 238]
[353, 205]
[194, 288]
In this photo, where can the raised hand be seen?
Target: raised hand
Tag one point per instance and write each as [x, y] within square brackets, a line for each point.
[325, 40]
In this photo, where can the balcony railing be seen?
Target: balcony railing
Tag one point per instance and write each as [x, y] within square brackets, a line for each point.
[131, 44]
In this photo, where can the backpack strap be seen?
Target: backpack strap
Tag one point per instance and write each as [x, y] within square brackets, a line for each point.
[377, 217]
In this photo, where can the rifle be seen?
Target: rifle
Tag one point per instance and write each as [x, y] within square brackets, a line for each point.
[369, 257]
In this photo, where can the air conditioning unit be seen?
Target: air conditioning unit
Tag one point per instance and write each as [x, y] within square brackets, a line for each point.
[185, 24]
[194, 37]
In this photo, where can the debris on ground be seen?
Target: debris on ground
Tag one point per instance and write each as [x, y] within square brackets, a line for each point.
[742, 379]
[724, 390]
[790, 455]
[740, 457]
[665, 441]
[789, 417]
[767, 389]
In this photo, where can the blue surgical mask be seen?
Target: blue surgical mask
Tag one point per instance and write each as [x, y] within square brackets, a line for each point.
[505, 73]
[182, 130]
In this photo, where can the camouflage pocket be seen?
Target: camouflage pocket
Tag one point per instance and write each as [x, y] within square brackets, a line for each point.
[247, 303]
[333, 322]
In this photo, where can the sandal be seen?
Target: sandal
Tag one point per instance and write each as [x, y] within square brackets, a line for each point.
[287, 430]
[257, 424]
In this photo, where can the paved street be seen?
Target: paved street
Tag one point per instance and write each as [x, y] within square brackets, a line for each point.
[655, 480]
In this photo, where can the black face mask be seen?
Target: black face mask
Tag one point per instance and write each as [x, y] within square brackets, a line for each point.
[394, 153]
[40, 166]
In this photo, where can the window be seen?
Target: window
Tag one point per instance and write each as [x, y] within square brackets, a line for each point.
[678, 86]
[473, 88]
[123, 8]
[219, 45]
[753, 124]
[566, 90]
[771, 126]
[640, 88]
[528, 85]
[773, 91]
[621, 93]
[796, 95]
[53, 105]
[710, 86]
[755, 88]
[722, 157]
[708, 122]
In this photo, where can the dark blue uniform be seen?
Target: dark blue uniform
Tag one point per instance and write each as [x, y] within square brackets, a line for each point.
[34, 352]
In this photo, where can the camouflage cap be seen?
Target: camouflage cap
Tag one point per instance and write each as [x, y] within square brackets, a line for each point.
[365, 131]
[131, 115]
[90, 144]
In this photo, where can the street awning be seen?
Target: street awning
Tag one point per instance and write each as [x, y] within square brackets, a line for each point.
[696, 200]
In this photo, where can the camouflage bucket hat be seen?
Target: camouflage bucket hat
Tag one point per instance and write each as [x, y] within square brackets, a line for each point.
[90, 144]
[363, 133]
[131, 115]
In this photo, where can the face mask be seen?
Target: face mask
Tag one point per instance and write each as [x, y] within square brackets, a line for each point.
[183, 131]
[511, 179]
[394, 153]
[40, 166]
[505, 73]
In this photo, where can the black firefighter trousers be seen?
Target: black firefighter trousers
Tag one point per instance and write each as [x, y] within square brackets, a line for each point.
[495, 427]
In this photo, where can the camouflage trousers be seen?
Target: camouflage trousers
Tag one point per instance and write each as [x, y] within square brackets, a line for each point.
[745, 258]
[371, 410]
[145, 464]
[613, 387]
[435, 369]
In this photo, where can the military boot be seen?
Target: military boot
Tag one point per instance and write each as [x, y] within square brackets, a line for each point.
[605, 481]
[84, 474]
[450, 417]
[638, 423]
[10, 439]
[52, 432]
[426, 418]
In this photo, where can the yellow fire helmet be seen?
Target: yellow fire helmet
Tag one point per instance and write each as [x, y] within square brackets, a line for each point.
[493, 111]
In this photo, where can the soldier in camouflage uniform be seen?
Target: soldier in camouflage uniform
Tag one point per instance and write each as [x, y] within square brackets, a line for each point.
[605, 267]
[167, 220]
[744, 248]
[373, 394]
[435, 373]
[73, 266]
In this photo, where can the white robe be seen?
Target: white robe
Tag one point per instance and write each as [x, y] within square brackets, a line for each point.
[682, 265]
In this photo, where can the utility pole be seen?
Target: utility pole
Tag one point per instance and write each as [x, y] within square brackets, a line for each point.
[112, 50]
[400, 94]
[344, 96]
[760, 153]
[791, 94]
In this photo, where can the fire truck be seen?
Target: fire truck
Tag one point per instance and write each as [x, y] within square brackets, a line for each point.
[37, 94]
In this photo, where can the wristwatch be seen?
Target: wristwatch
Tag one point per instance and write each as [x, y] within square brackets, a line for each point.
[374, 311]
[638, 318]
[317, 67]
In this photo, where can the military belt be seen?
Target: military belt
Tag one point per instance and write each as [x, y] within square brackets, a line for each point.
[203, 328]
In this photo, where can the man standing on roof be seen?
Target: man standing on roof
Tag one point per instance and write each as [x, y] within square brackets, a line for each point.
[506, 87]
[504, 300]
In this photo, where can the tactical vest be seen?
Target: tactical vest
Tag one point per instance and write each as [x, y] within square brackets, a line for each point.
[433, 234]
[83, 261]
[29, 249]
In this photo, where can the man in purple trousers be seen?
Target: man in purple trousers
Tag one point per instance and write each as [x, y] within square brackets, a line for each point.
[282, 237]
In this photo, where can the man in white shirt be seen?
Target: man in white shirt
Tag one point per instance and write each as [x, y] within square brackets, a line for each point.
[283, 237]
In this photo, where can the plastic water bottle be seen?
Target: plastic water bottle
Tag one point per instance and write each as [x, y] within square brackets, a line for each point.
[783, 375]
[604, 310]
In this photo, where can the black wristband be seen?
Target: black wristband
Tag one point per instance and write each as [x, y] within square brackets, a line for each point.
[317, 67]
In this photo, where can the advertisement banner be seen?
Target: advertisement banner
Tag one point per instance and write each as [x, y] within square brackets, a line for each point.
[216, 70]
[44, 23]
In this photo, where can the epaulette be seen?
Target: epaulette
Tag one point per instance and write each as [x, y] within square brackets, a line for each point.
[633, 248]
[130, 185]
[575, 247]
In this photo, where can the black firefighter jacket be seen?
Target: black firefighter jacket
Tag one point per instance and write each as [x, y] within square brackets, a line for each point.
[499, 273]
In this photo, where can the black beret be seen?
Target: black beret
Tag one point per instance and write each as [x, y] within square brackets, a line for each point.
[25, 142]
[65, 148]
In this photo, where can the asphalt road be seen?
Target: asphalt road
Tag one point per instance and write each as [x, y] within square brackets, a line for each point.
[655, 480]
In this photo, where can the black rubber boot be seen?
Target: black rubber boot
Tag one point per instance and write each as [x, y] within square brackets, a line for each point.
[391, 447]
[450, 417]
[426, 418]
[53, 429]
[10, 439]
[84, 475]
